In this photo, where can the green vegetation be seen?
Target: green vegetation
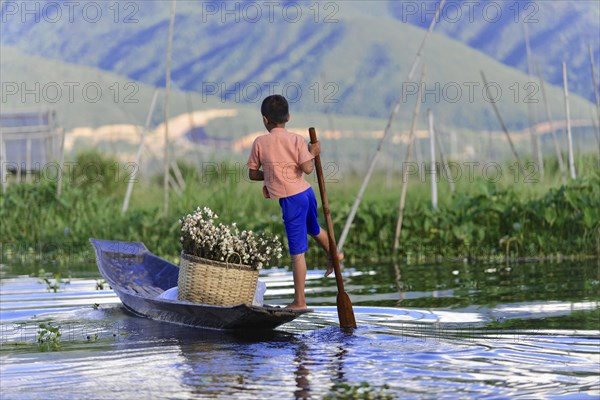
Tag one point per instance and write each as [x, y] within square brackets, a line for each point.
[49, 337]
[489, 221]
[101, 284]
[363, 390]
[482, 220]
[55, 285]
[582, 320]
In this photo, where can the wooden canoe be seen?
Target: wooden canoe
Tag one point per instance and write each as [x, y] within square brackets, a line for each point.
[138, 277]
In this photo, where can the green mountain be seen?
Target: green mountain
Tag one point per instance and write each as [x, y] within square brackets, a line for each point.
[86, 96]
[82, 96]
[346, 63]
[558, 31]
[351, 147]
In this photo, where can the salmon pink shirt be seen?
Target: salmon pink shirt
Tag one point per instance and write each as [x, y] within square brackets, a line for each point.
[280, 153]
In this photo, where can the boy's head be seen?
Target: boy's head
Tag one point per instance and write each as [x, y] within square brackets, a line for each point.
[275, 110]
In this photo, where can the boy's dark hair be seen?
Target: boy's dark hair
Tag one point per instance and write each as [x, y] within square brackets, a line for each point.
[275, 108]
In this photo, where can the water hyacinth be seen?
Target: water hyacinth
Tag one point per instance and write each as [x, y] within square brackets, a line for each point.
[201, 236]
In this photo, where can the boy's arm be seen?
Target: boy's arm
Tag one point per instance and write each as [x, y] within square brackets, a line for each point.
[256, 175]
[254, 172]
[308, 166]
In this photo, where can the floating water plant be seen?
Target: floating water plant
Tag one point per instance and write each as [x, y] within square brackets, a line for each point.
[49, 337]
[55, 285]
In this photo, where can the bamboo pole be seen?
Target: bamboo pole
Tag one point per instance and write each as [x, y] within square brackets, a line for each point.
[501, 121]
[411, 138]
[434, 197]
[596, 95]
[60, 165]
[420, 159]
[47, 150]
[177, 172]
[138, 155]
[536, 147]
[568, 116]
[178, 175]
[489, 151]
[166, 108]
[28, 161]
[444, 160]
[386, 132]
[561, 164]
[173, 163]
[3, 163]
[399, 283]
[20, 167]
[175, 185]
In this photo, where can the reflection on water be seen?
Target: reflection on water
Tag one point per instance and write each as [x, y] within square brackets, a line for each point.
[427, 332]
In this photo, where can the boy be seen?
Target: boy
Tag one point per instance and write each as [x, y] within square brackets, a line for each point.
[285, 159]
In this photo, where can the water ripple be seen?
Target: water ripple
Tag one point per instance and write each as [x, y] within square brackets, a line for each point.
[106, 353]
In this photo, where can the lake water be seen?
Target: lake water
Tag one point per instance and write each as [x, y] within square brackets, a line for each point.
[437, 331]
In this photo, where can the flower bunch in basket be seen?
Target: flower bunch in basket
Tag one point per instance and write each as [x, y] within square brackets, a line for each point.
[202, 237]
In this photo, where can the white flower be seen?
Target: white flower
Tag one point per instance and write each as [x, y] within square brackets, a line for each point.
[200, 236]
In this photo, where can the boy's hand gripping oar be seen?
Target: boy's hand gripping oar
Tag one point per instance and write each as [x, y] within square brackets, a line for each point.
[344, 306]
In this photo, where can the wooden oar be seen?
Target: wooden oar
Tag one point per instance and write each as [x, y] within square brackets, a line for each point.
[344, 305]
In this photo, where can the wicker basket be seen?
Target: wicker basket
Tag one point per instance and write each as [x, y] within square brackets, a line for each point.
[213, 282]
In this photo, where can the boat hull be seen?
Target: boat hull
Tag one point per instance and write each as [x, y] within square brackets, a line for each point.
[138, 277]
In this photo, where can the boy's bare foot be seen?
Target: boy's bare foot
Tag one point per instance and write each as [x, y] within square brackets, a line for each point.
[330, 265]
[296, 306]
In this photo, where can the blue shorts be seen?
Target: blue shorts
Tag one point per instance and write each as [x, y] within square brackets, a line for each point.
[299, 214]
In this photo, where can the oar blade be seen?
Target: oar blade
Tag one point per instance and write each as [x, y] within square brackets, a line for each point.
[345, 312]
